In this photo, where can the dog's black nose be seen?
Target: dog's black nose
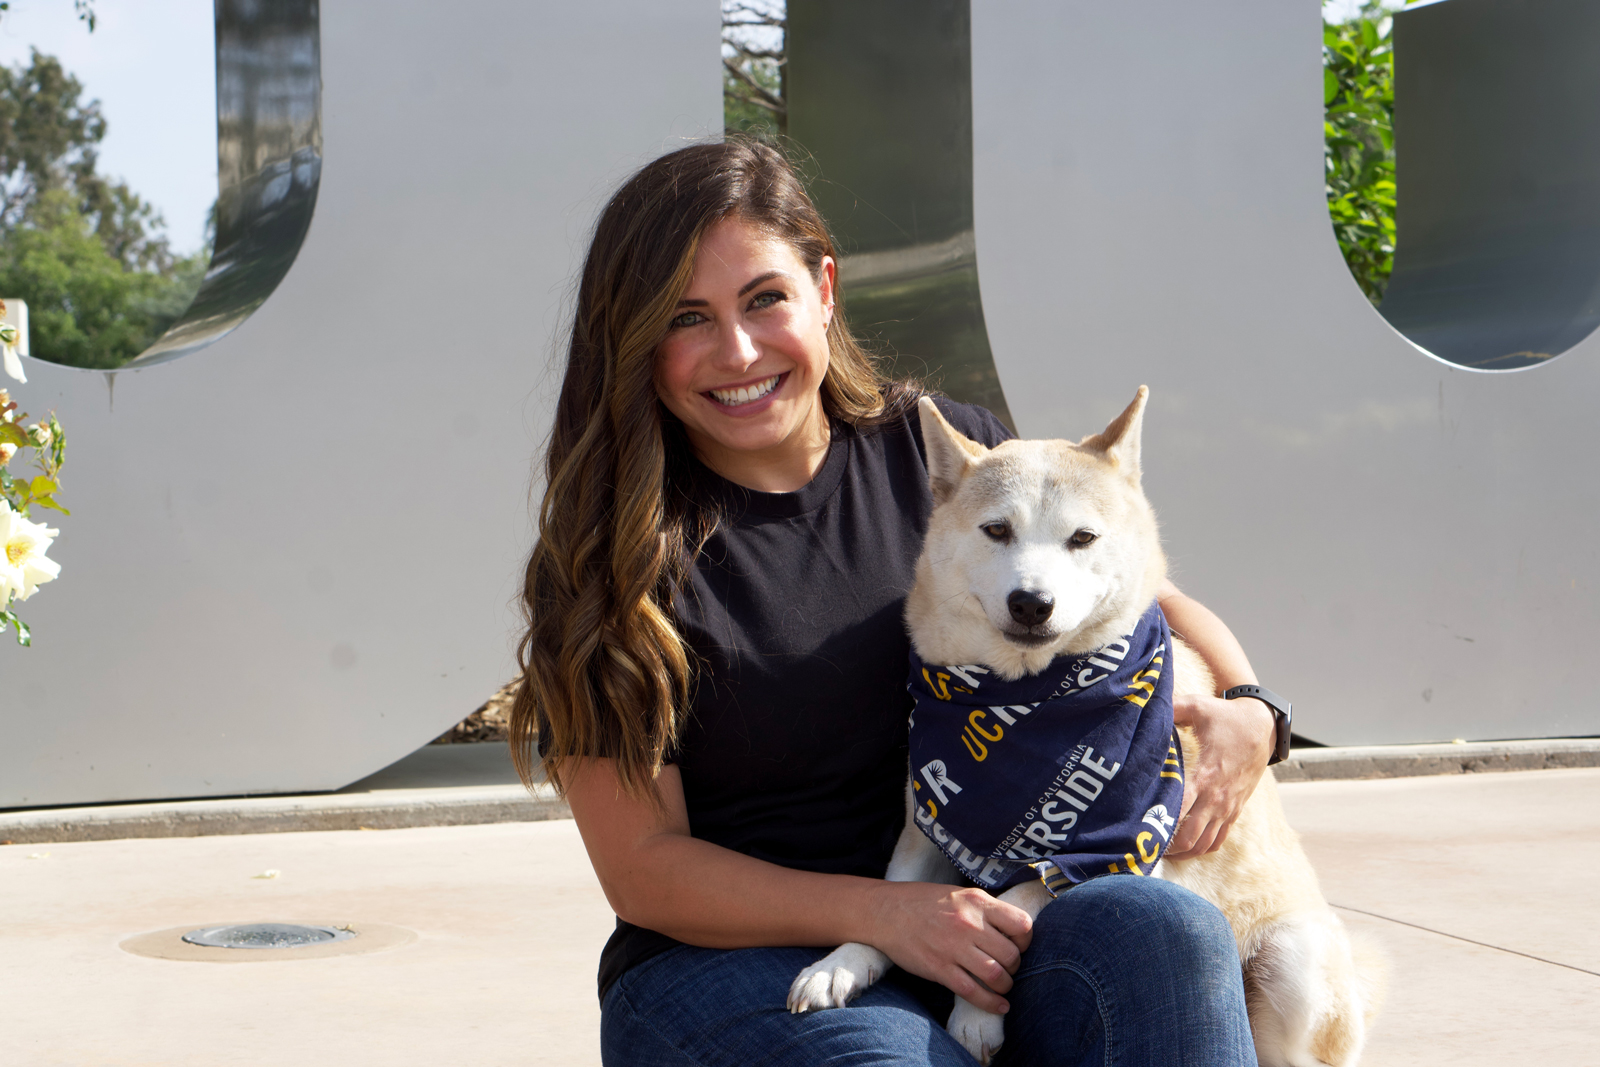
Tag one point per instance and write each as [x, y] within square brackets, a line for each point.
[1030, 608]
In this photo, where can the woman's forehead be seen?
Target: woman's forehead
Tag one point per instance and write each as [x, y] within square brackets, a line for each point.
[736, 247]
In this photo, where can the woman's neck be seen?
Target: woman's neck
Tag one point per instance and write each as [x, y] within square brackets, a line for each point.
[786, 467]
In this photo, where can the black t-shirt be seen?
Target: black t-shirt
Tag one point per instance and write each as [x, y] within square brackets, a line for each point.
[795, 750]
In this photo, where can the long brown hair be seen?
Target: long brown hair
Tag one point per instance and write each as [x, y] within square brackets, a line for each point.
[605, 670]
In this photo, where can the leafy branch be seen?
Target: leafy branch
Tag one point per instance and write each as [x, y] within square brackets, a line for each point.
[754, 40]
[1358, 128]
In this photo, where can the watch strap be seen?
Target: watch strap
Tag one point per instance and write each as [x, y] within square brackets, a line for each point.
[1282, 713]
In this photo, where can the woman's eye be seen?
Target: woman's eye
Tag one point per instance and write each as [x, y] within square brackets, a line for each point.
[766, 300]
[1083, 537]
[997, 531]
[688, 318]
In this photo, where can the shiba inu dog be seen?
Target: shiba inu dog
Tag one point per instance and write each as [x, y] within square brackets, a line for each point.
[1037, 584]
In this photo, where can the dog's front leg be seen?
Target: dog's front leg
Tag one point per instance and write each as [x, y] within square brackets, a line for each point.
[983, 1032]
[841, 975]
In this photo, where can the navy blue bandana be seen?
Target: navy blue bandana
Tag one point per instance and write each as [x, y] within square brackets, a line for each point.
[1063, 775]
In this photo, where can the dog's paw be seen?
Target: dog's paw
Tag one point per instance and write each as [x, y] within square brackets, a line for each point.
[837, 978]
[980, 1032]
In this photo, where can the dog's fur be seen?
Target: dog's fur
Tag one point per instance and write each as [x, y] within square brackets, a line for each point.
[1311, 990]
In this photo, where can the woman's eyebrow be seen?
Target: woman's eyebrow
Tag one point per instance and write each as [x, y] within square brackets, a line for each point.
[767, 277]
[692, 302]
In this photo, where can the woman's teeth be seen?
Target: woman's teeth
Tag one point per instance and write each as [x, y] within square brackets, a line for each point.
[734, 397]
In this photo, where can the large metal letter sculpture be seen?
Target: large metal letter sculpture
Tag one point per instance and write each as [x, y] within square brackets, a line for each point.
[289, 567]
[1405, 546]
[290, 561]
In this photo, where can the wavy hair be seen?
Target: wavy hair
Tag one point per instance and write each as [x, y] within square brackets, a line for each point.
[606, 672]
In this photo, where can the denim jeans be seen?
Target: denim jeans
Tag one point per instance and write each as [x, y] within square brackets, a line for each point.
[1122, 971]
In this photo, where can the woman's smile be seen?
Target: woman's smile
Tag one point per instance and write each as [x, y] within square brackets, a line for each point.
[741, 397]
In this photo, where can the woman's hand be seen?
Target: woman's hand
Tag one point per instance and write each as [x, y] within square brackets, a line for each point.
[1236, 738]
[964, 939]
[658, 876]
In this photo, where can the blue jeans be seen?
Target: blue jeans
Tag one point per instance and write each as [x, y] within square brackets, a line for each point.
[1122, 971]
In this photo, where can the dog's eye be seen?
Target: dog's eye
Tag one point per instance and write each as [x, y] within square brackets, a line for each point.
[997, 531]
[1083, 537]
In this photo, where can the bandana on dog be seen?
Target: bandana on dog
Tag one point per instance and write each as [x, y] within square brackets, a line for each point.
[1063, 775]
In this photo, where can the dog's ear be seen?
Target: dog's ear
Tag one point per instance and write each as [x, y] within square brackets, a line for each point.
[950, 452]
[1119, 442]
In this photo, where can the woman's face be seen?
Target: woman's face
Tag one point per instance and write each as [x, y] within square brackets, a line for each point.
[743, 362]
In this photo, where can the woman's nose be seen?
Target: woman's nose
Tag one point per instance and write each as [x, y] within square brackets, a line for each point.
[737, 349]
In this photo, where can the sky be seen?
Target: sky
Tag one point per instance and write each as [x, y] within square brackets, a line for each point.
[1339, 10]
[152, 65]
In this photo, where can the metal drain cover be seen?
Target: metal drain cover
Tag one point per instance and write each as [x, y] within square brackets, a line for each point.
[266, 935]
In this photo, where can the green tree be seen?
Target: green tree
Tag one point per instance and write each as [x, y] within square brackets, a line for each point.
[1358, 97]
[86, 253]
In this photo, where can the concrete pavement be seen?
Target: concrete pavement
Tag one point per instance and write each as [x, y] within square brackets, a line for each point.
[1481, 887]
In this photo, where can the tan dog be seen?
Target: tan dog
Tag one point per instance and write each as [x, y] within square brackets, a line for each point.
[1070, 523]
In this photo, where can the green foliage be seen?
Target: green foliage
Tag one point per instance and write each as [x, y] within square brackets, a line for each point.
[1358, 96]
[48, 443]
[85, 252]
[740, 111]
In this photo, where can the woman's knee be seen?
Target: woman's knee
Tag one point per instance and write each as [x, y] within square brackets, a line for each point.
[1136, 964]
[1129, 918]
[725, 1008]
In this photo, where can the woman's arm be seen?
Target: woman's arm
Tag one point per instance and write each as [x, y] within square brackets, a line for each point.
[657, 876]
[1236, 736]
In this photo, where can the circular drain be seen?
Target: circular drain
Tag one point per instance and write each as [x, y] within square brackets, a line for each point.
[267, 935]
[245, 942]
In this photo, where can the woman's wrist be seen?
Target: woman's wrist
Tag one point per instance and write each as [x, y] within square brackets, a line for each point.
[1263, 727]
[879, 918]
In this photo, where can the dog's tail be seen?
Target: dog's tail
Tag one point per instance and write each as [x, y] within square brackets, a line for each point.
[1357, 971]
[1313, 991]
[1372, 973]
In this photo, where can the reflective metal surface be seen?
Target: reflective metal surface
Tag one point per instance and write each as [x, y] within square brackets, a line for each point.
[880, 98]
[1497, 138]
[269, 164]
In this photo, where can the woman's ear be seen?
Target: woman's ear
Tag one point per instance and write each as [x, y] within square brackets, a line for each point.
[827, 276]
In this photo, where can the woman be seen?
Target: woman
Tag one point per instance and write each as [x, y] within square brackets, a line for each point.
[715, 668]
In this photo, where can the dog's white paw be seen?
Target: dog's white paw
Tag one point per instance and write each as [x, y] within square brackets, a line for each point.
[837, 978]
[980, 1032]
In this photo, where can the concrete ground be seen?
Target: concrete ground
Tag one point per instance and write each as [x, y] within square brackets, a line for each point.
[1480, 887]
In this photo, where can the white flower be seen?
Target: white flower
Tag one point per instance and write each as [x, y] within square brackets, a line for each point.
[7, 450]
[40, 434]
[23, 566]
[8, 351]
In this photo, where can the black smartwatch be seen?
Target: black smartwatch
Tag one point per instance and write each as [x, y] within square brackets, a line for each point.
[1281, 713]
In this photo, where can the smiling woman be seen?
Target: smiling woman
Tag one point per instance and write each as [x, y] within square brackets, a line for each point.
[710, 271]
